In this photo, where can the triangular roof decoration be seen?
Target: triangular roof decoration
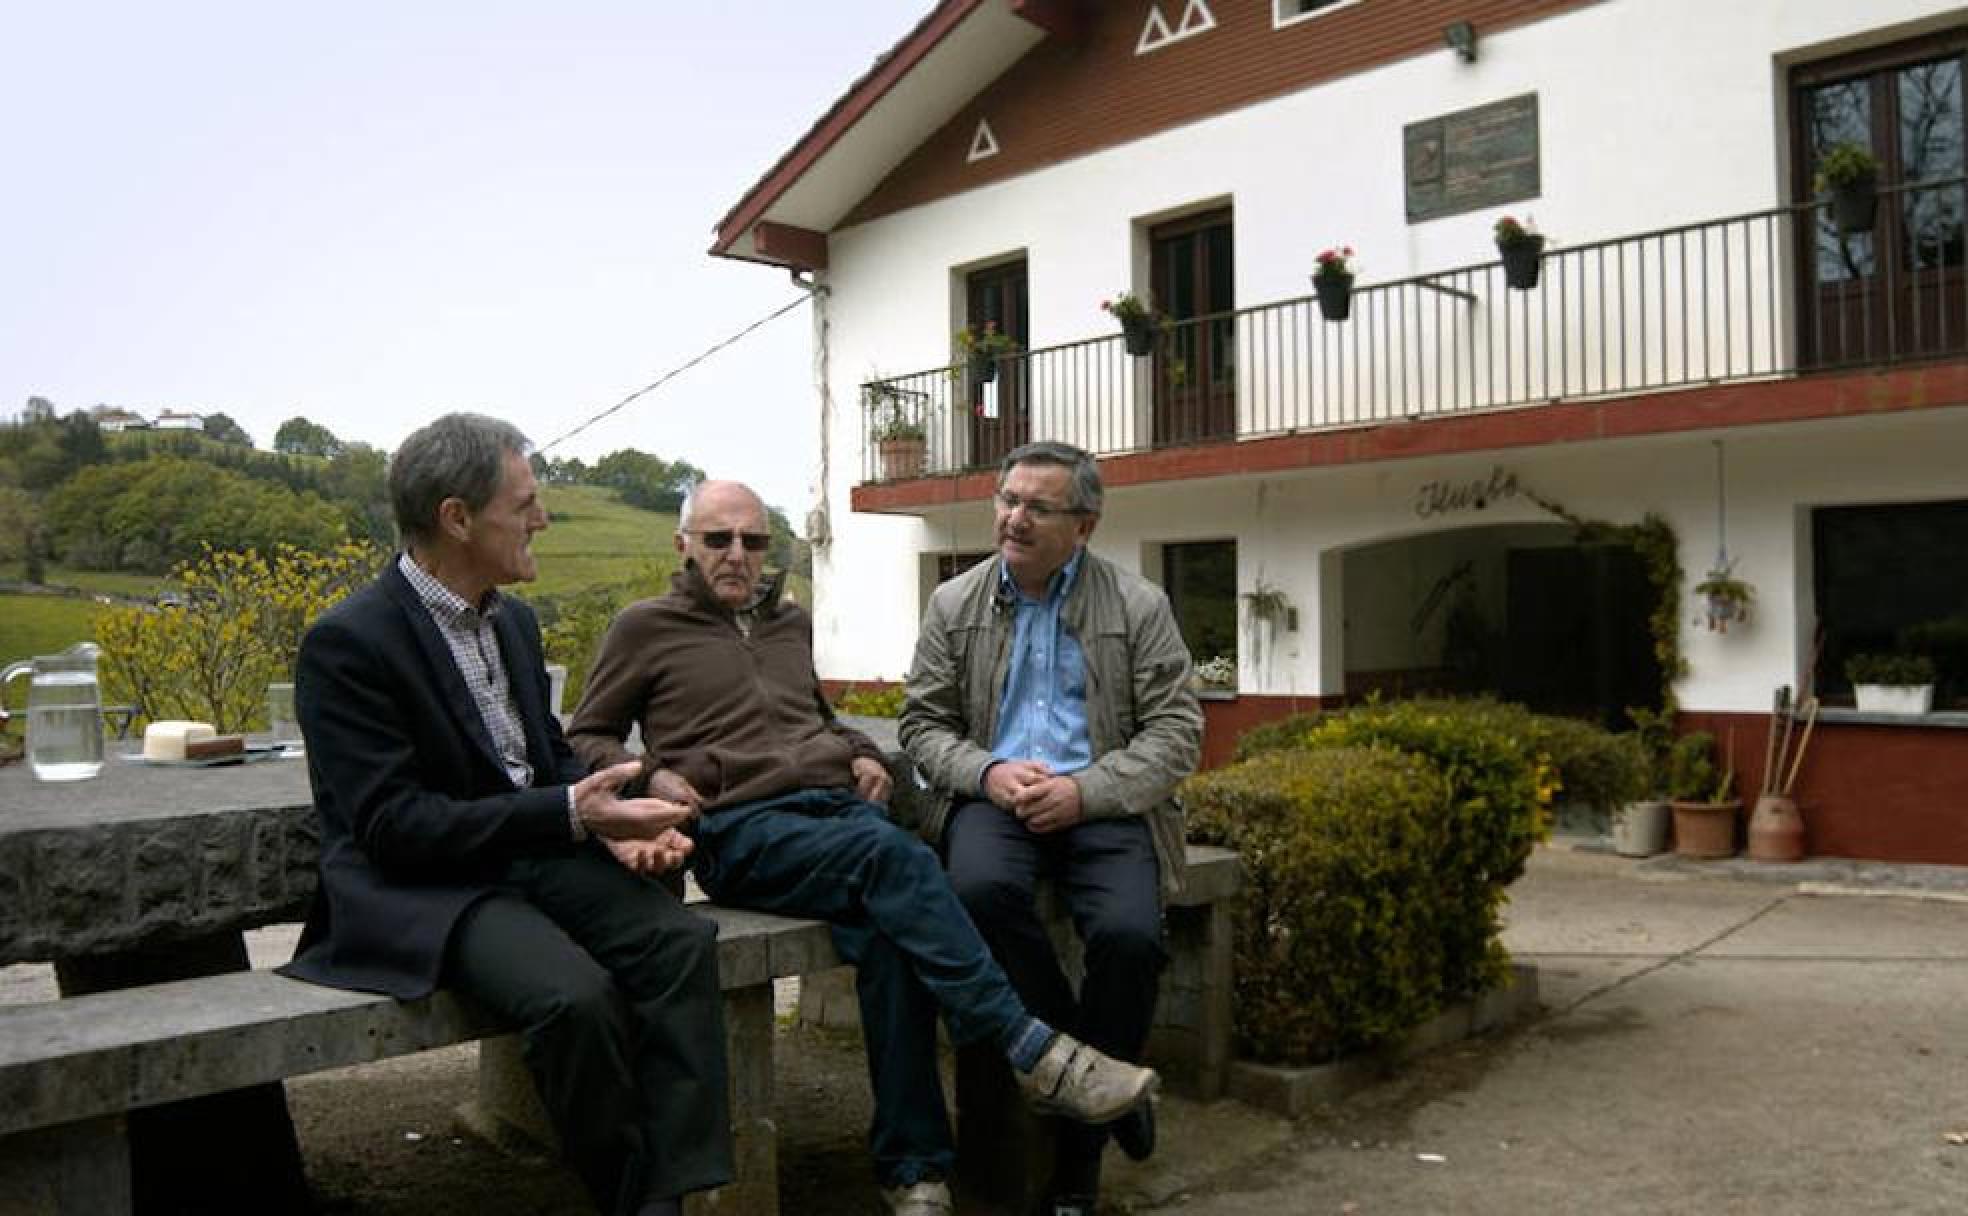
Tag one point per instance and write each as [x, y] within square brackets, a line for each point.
[1155, 32]
[984, 143]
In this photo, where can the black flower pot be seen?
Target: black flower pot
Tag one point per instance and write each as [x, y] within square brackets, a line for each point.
[1335, 295]
[1522, 260]
[983, 369]
[1855, 205]
[1138, 335]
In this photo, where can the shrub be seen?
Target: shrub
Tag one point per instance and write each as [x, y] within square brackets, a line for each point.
[1900, 669]
[1281, 734]
[1691, 775]
[879, 701]
[1498, 798]
[237, 629]
[1337, 942]
[1595, 767]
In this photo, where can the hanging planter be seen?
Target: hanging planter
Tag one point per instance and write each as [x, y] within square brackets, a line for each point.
[1725, 600]
[982, 348]
[1522, 250]
[1140, 322]
[1333, 281]
[1849, 174]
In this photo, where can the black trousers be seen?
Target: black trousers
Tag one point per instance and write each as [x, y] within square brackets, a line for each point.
[614, 985]
[1107, 871]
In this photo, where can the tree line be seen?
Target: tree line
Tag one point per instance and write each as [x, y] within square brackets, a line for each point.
[146, 501]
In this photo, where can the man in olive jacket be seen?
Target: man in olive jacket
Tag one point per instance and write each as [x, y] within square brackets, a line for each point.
[1050, 698]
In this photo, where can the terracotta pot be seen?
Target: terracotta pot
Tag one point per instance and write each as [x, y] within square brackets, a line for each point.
[1705, 829]
[1776, 830]
[902, 458]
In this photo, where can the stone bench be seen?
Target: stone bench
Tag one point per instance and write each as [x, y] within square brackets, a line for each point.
[70, 1069]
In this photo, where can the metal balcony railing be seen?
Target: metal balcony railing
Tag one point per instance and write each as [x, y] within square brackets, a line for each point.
[1771, 293]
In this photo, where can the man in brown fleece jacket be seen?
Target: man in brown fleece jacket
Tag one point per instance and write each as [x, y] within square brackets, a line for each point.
[719, 675]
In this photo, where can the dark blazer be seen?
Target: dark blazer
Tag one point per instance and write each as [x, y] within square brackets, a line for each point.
[418, 817]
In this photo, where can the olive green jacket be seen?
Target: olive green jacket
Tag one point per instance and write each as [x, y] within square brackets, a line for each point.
[1145, 726]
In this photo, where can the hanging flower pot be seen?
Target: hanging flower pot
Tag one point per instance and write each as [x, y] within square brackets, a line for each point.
[1855, 205]
[982, 348]
[1725, 600]
[1335, 296]
[1140, 322]
[1849, 173]
[1333, 281]
[1522, 250]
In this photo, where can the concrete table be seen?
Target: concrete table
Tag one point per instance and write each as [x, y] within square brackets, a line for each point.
[146, 874]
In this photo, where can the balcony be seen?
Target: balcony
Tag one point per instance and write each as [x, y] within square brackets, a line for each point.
[1762, 296]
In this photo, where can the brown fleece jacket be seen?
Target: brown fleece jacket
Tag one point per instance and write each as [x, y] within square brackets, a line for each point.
[740, 717]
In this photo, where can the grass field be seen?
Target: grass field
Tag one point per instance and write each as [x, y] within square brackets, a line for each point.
[43, 624]
[594, 541]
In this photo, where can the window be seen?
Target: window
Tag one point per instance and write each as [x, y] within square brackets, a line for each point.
[950, 565]
[1201, 580]
[1890, 578]
[1286, 12]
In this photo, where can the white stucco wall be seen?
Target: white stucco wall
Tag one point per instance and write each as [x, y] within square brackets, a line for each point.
[1651, 113]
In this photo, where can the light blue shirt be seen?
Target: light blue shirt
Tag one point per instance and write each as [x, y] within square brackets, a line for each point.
[1042, 715]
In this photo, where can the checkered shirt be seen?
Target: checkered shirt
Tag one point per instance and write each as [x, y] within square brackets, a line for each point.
[474, 647]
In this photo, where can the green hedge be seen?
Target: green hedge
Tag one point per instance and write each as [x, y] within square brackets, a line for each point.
[1336, 942]
[1380, 842]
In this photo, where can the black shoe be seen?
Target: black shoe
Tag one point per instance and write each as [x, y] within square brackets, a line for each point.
[1135, 1132]
[1070, 1205]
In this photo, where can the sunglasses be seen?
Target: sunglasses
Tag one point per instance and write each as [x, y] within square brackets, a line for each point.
[720, 540]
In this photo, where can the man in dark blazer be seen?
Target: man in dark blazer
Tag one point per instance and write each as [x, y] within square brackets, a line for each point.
[462, 843]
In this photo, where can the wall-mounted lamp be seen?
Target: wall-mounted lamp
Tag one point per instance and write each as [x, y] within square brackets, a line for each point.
[1461, 38]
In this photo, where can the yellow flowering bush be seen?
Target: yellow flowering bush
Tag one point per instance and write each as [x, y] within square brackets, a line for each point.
[237, 629]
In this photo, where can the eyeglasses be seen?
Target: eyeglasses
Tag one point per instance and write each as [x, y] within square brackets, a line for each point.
[1037, 508]
[720, 540]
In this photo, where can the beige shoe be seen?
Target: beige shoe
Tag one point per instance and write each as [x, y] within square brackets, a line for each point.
[1074, 1080]
[921, 1199]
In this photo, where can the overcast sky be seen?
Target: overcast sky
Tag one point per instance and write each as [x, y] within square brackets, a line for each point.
[371, 213]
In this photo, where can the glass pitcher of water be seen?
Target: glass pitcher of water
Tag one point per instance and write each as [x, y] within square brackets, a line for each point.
[64, 713]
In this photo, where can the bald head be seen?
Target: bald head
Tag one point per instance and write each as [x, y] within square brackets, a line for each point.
[723, 529]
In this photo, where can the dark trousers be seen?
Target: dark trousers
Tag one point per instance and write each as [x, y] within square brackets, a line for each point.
[1107, 872]
[615, 988]
[829, 855]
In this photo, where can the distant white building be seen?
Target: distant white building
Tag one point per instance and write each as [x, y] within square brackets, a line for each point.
[176, 420]
[110, 418]
[1342, 506]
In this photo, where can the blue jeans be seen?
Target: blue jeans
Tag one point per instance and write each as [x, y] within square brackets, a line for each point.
[828, 855]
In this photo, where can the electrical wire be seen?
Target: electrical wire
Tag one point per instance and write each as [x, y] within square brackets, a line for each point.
[674, 372]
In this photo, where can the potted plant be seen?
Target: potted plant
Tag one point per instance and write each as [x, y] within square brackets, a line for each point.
[1892, 683]
[1849, 173]
[981, 349]
[1140, 322]
[1704, 800]
[900, 438]
[1522, 247]
[1218, 673]
[1724, 598]
[1333, 280]
[1641, 821]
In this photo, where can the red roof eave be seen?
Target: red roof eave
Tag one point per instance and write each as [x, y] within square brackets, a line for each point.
[841, 117]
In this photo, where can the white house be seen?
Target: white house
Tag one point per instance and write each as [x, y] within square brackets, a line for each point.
[179, 420]
[1706, 345]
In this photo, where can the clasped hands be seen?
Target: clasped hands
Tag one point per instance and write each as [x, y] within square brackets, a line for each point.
[1042, 800]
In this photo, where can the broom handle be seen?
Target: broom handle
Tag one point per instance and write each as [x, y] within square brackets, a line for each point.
[1770, 757]
[1810, 720]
